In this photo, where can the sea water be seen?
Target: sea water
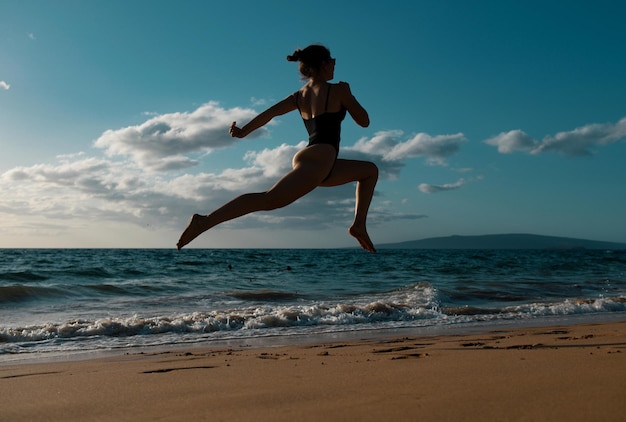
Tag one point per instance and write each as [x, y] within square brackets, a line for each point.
[67, 301]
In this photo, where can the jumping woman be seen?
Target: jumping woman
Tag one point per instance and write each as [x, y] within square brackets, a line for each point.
[322, 106]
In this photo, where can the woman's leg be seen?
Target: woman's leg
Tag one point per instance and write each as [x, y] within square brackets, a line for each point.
[305, 177]
[365, 173]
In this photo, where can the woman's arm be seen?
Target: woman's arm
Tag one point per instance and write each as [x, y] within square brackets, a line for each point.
[356, 110]
[278, 109]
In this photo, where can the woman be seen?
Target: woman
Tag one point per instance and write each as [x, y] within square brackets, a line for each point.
[322, 106]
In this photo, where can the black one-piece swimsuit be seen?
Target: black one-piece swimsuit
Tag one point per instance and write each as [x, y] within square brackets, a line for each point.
[324, 128]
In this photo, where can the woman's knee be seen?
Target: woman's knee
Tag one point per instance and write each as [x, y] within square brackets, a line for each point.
[372, 170]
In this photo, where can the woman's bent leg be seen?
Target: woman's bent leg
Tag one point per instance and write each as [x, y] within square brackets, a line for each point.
[365, 173]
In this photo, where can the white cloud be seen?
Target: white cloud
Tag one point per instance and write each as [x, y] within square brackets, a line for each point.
[256, 102]
[274, 162]
[91, 190]
[427, 188]
[66, 173]
[436, 149]
[580, 140]
[577, 142]
[164, 142]
[512, 141]
[4, 85]
[81, 189]
[73, 155]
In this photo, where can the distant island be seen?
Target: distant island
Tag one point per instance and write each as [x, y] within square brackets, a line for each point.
[503, 241]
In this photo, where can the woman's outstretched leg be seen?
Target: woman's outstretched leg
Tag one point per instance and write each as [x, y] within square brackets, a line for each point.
[365, 173]
[305, 177]
[240, 206]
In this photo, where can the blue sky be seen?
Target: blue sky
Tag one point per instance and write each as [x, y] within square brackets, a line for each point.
[486, 117]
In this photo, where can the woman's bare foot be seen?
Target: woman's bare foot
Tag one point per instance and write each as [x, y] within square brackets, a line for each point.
[363, 238]
[196, 227]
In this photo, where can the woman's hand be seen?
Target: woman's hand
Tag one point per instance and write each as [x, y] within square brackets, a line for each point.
[235, 131]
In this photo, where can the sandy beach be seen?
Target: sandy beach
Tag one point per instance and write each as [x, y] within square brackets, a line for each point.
[547, 373]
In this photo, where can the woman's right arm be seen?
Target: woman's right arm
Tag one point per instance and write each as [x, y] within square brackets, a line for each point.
[356, 110]
[278, 109]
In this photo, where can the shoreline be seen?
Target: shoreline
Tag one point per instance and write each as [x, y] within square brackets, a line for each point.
[551, 372]
[300, 339]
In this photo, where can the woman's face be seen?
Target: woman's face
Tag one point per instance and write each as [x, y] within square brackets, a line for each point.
[329, 68]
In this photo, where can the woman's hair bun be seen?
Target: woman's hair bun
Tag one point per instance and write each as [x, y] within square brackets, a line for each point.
[311, 59]
[295, 56]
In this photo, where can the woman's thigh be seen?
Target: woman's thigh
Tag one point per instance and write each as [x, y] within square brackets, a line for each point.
[346, 171]
[304, 177]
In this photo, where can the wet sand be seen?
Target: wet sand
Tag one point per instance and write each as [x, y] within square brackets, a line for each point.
[552, 373]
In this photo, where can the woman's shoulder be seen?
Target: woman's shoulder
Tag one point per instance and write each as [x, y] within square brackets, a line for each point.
[342, 86]
[302, 91]
[342, 90]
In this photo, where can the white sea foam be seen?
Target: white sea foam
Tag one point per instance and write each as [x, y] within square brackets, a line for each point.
[344, 314]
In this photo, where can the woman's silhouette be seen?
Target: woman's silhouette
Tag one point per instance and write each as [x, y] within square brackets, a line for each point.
[322, 106]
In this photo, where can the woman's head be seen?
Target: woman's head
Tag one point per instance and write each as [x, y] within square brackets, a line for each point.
[311, 59]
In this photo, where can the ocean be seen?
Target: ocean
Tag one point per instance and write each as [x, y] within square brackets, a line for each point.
[65, 302]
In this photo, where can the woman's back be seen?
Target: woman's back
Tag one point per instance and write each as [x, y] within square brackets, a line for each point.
[313, 101]
[322, 121]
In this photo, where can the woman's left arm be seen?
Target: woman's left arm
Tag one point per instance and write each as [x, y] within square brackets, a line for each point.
[278, 109]
[356, 110]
